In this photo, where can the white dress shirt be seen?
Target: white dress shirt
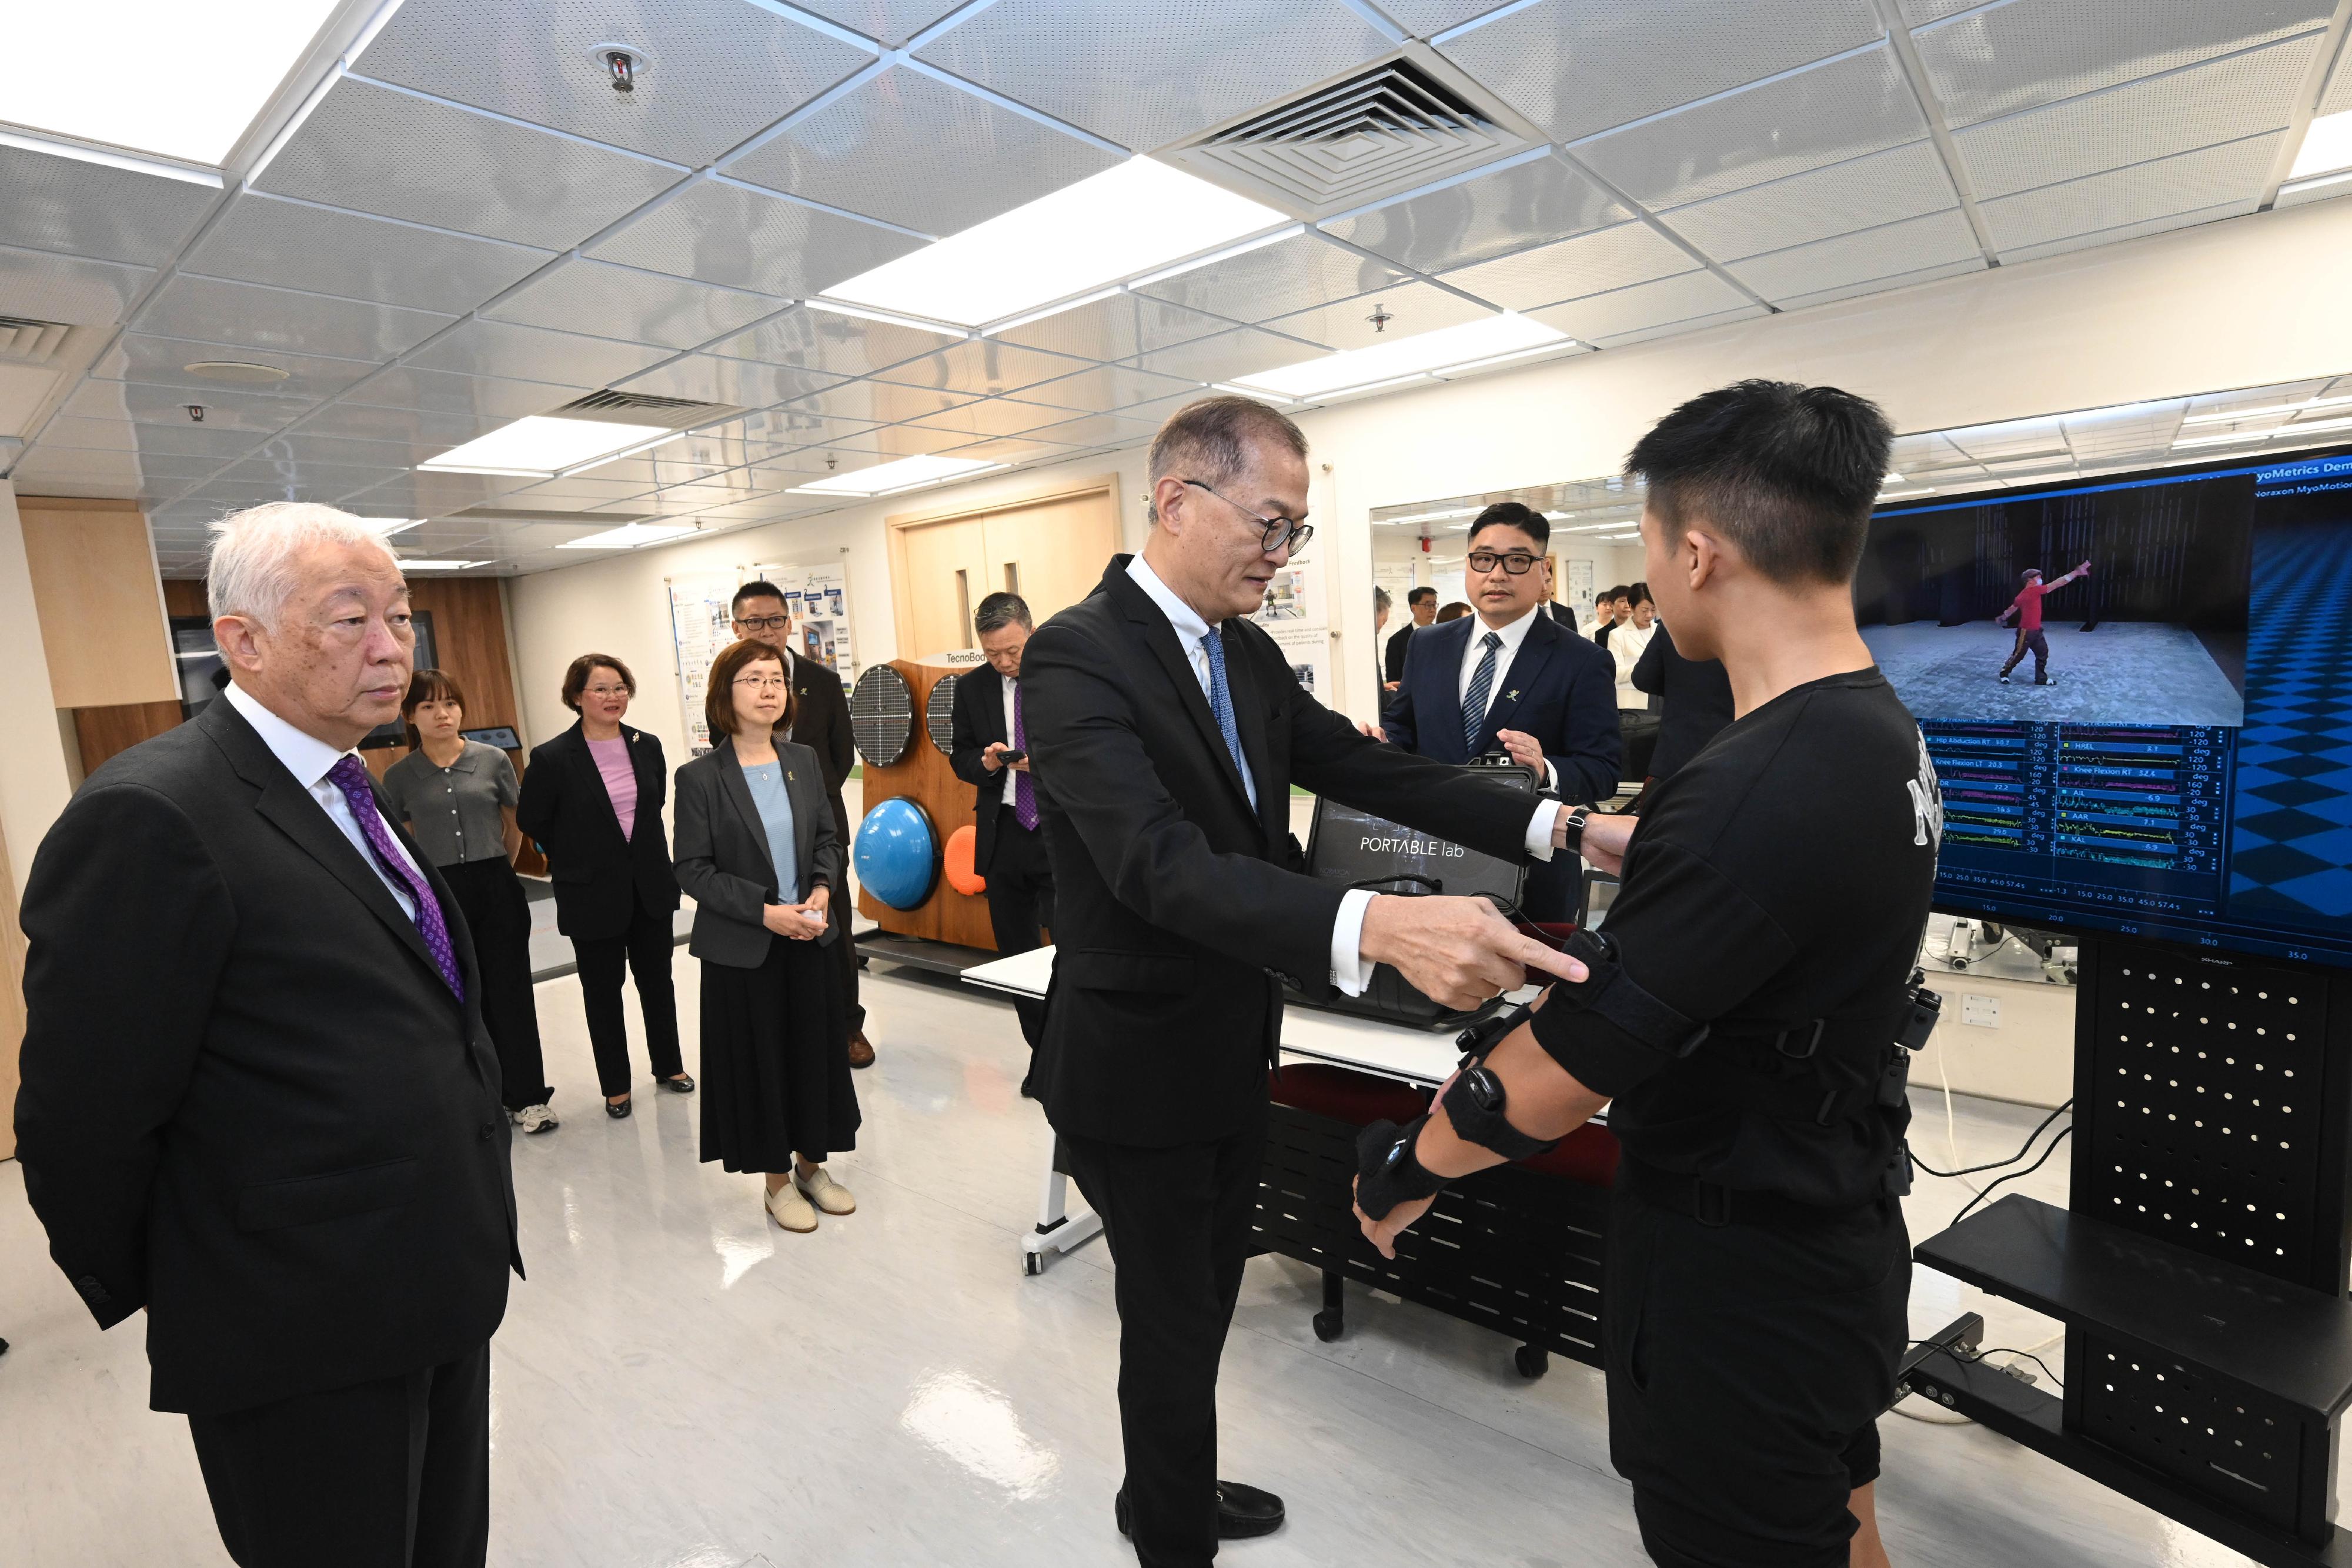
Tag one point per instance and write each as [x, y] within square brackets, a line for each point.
[309, 758]
[1349, 972]
[1626, 645]
[1512, 635]
[1010, 730]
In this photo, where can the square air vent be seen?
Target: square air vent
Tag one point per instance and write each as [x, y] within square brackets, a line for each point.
[28, 342]
[1384, 131]
[642, 408]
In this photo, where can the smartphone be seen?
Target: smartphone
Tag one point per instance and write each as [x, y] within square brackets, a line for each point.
[1010, 758]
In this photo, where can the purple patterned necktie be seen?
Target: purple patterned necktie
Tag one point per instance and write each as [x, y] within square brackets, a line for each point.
[1024, 789]
[351, 777]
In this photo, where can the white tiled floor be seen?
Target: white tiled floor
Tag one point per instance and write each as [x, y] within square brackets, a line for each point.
[680, 1385]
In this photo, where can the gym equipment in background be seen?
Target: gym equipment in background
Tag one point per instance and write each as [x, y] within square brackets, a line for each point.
[939, 925]
[898, 855]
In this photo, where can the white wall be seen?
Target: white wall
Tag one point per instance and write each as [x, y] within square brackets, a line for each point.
[2248, 302]
[35, 782]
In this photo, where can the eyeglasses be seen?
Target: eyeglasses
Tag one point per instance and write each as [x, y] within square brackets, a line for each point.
[608, 691]
[1279, 531]
[763, 622]
[1515, 563]
[763, 683]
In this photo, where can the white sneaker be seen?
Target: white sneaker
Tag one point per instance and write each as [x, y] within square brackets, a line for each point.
[825, 1193]
[791, 1210]
[536, 1119]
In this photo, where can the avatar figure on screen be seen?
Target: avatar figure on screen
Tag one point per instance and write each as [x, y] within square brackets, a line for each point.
[2027, 607]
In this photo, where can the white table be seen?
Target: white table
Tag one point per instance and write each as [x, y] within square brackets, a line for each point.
[1421, 1057]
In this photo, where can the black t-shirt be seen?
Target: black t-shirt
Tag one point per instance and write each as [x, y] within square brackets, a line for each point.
[1780, 875]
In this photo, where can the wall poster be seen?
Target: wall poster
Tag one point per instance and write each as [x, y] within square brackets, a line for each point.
[1296, 614]
[816, 595]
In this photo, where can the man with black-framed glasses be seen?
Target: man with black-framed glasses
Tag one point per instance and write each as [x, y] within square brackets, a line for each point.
[1510, 680]
[1165, 728]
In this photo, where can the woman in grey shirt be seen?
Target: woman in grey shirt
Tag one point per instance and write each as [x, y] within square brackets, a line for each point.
[756, 847]
[459, 797]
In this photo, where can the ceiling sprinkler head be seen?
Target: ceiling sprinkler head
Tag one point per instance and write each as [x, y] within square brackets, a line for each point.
[830, 464]
[1380, 318]
[196, 412]
[622, 63]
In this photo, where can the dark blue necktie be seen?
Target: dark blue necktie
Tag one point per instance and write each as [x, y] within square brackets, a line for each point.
[1221, 704]
[1474, 701]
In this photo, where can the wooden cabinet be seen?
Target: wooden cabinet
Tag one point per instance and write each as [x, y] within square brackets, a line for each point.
[95, 589]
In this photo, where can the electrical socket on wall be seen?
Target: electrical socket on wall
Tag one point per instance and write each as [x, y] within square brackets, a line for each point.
[1983, 1011]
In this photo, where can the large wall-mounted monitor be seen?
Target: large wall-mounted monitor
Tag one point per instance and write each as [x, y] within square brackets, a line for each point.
[2183, 768]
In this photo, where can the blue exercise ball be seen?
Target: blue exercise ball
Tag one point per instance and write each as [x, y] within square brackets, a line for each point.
[898, 853]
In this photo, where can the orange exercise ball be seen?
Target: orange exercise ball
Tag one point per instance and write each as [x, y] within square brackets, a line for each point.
[962, 843]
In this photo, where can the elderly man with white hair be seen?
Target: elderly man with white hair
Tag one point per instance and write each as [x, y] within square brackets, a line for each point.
[258, 1100]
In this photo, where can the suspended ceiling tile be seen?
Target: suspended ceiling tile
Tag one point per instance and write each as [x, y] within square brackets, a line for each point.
[612, 302]
[1830, 295]
[217, 312]
[1118, 327]
[1179, 68]
[304, 481]
[1634, 335]
[580, 490]
[1914, 245]
[360, 421]
[295, 245]
[1097, 429]
[1107, 387]
[1580, 67]
[2002, 58]
[911, 150]
[1276, 279]
[1009, 450]
[93, 434]
[53, 465]
[1241, 353]
[232, 410]
[983, 367]
[2089, 238]
[721, 232]
[827, 341]
[1590, 263]
[1827, 114]
[164, 361]
[2337, 99]
[91, 209]
[767, 430]
[993, 417]
[377, 150]
[895, 440]
[1919, 12]
[1863, 192]
[878, 402]
[2215, 176]
[433, 494]
[797, 467]
[1427, 19]
[717, 70]
[302, 444]
[480, 348]
[740, 383]
[1642, 306]
[1412, 308]
[459, 395]
[219, 444]
[42, 286]
[1484, 216]
[2202, 106]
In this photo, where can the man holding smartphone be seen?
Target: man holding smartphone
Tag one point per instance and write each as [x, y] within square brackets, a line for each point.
[988, 748]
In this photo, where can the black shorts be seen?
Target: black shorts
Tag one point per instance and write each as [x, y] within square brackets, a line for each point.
[1747, 1367]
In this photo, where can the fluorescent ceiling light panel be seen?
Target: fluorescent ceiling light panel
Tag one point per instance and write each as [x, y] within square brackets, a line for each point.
[906, 473]
[2322, 183]
[1228, 254]
[542, 447]
[388, 527]
[885, 317]
[1407, 358]
[1898, 495]
[1131, 217]
[1250, 391]
[2224, 439]
[1466, 368]
[157, 75]
[2326, 147]
[2215, 416]
[2310, 426]
[629, 536]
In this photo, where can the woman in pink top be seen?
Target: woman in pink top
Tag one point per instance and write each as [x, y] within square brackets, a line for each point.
[593, 798]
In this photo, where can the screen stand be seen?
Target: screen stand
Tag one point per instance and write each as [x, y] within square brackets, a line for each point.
[2199, 1265]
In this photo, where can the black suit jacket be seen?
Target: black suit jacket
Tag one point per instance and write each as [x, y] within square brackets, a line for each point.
[821, 723]
[1695, 696]
[723, 857]
[599, 876]
[978, 719]
[1560, 689]
[251, 1104]
[1393, 667]
[1179, 910]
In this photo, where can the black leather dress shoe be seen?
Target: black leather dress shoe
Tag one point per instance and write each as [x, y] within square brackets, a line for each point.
[681, 1084]
[1241, 1511]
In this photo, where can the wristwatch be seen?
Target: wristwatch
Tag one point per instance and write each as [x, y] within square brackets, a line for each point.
[1571, 828]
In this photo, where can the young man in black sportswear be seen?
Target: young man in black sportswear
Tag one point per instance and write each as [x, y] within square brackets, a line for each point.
[1741, 1014]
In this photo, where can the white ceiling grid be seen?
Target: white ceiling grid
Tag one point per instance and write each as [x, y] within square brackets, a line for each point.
[467, 224]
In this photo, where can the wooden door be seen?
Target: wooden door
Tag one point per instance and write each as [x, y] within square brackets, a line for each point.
[1050, 549]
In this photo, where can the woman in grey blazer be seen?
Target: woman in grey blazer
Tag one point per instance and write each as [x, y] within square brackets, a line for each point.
[756, 848]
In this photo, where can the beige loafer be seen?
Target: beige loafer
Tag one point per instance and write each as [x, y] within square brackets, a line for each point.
[824, 1192]
[791, 1210]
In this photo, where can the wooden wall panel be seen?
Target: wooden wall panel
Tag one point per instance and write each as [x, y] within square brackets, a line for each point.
[94, 584]
[105, 731]
[186, 596]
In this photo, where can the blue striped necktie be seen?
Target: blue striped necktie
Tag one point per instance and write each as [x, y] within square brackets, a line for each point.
[1474, 701]
[1221, 704]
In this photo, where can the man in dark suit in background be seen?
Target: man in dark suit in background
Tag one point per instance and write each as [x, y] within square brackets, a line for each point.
[1695, 696]
[1168, 728]
[988, 749]
[1422, 602]
[285, 1139]
[1509, 679]
[820, 722]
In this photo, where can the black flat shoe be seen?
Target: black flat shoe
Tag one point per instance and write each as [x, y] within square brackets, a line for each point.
[1242, 1512]
[681, 1084]
[616, 1110]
